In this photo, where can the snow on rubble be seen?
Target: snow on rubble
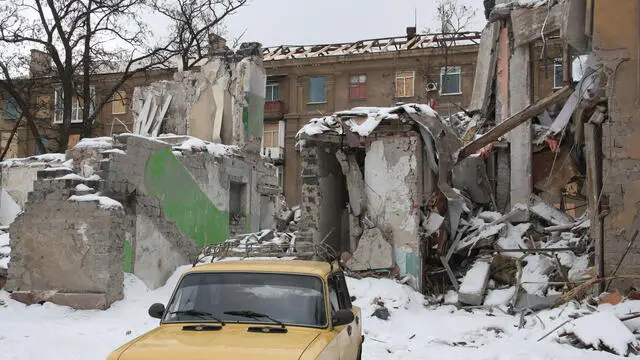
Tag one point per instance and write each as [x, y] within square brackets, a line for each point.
[412, 331]
[46, 160]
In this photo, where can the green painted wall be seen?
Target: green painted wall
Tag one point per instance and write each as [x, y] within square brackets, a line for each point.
[127, 266]
[183, 201]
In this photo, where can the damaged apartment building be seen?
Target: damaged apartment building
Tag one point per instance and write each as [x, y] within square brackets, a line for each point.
[405, 190]
[190, 175]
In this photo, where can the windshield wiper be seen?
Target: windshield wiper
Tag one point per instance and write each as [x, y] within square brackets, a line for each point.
[253, 315]
[201, 314]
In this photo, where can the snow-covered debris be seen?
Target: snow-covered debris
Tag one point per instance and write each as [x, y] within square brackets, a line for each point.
[114, 151]
[474, 283]
[603, 330]
[265, 243]
[192, 144]
[500, 296]
[52, 160]
[100, 142]
[535, 275]
[5, 250]
[93, 177]
[83, 187]
[105, 202]
[359, 120]
[221, 150]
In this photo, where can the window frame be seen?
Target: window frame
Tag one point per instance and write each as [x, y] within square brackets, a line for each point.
[342, 292]
[273, 85]
[58, 108]
[558, 63]
[359, 85]
[404, 79]
[122, 100]
[457, 70]
[324, 90]
[275, 132]
[8, 99]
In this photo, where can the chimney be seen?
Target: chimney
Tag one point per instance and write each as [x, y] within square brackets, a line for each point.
[40, 63]
[217, 44]
[411, 32]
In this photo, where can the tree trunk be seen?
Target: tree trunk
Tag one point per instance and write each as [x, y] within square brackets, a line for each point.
[87, 119]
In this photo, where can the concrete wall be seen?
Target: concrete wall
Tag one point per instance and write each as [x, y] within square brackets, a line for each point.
[618, 48]
[394, 192]
[18, 181]
[180, 202]
[67, 252]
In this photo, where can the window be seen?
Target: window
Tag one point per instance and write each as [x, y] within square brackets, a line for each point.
[338, 293]
[292, 299]
[405, 83]
[450, 81]
[558, 73]
[317, 92]
[43, 109]
[273, 92]
[11, 111]
[76, 107]
[358, 87]
[118, 103]
[271, 135]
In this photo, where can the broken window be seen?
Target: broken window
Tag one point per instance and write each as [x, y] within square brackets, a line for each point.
[405, 83]
[11, 111]
[450, 80]
[558, 73]
[317, 93]
[118, 103]
[358, 87]
[76, 106]
[271, 135]
[273, 92]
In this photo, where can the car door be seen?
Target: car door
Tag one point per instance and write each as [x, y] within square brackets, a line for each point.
[347, 335]
[355, 335]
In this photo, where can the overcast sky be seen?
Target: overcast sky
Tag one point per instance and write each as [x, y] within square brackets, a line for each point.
[302, 22]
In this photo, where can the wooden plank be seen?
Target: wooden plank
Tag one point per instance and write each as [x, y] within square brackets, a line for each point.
[160, 117]
[574, 23]
[520, 137]
[144, 114]
[485, 68]
[512, 122]
[593, 155]
[530, 23]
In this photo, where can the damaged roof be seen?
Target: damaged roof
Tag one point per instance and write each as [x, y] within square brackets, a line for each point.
[361, 120]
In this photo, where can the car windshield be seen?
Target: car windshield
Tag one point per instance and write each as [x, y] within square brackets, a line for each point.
[289, 298]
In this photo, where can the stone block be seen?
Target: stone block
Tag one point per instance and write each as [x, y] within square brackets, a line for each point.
[77, 301]
[373, 252]
[474, 283]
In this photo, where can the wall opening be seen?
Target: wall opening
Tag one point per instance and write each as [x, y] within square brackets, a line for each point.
[237, 207]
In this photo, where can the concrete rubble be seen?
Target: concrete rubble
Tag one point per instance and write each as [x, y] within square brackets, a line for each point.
[143, 203]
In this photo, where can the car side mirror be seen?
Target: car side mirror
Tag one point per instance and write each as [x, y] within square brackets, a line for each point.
[343, 317]
[156, 311]
[353, 298]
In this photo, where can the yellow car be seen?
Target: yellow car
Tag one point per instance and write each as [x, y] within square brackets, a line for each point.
[249, 309]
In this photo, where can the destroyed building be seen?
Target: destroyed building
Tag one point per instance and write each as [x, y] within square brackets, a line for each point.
[148, 202]
[519, 177]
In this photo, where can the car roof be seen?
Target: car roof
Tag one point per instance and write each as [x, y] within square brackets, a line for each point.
[309, 267]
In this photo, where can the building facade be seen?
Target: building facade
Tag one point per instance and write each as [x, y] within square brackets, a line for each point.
[305, 82]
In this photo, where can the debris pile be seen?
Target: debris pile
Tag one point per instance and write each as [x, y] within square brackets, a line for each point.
[266, 243]
[505, 262]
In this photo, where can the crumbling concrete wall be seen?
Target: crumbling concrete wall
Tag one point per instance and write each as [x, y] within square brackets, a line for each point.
[67, 252]
[223, 101]
[618, 48]
[181, 201]
[393, 170]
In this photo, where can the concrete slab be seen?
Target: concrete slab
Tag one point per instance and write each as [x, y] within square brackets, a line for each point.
[474, 283]
[78, 301]
[373, 252]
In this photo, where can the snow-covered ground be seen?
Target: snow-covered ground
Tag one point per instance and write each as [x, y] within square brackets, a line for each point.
[412, 332]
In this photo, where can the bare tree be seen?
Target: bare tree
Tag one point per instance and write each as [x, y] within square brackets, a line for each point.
[194, 24]
[453, 18]
[79, 38]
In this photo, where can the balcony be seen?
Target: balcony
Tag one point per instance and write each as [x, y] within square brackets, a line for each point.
[276, 154]
[273, 109]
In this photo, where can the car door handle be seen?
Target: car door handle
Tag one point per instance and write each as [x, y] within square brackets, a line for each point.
[349, 329]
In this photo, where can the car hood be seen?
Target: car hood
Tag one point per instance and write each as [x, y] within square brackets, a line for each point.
[232, 342]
